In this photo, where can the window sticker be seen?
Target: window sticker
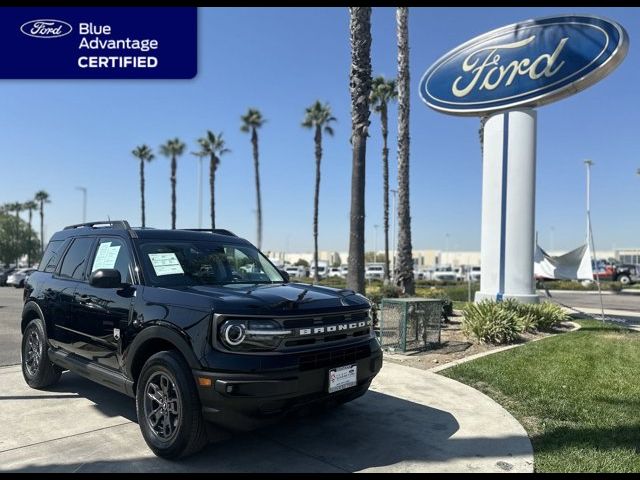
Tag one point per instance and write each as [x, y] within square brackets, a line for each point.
[166, 264]
[106, 256]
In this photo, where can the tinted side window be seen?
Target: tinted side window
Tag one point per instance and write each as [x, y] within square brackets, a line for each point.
[51, 256]
[75, 261]
[113, 253]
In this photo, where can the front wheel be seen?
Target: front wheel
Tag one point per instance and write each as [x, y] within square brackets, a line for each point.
[37, 369]
[624, 279]
[168, 407]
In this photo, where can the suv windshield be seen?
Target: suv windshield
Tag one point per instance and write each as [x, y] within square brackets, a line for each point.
[188, 263]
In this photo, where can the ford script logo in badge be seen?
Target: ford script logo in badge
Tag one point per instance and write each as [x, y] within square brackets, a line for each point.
[46, 28]
[525, 64]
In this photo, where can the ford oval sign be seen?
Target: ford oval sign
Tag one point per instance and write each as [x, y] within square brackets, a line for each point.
[525, 64]
[46, 28]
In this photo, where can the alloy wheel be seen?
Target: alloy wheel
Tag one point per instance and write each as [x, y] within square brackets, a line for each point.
[162, 406]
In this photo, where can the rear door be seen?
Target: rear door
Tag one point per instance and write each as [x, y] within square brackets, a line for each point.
[70, 273]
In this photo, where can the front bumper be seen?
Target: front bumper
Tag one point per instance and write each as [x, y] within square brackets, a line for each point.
[243, 401]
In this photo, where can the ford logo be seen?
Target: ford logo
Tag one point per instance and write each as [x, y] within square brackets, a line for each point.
[46, 28]
[528, 64]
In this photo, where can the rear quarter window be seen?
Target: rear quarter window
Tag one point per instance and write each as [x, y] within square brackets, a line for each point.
[50, 257]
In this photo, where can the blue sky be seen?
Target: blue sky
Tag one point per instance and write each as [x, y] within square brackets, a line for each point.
[59, 134]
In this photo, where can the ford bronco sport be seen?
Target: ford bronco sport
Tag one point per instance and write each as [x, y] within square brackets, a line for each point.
[198, 326]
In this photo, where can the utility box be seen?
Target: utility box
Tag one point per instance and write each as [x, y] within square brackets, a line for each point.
[410, 323]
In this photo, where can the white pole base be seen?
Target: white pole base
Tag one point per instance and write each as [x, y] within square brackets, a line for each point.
[508, 207]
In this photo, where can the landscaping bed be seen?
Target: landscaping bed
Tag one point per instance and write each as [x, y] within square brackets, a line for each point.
[455, 345]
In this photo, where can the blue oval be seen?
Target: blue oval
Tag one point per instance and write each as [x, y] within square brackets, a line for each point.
[46, 28]
[529, 64]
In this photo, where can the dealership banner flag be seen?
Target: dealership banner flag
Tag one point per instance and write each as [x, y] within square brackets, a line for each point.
[98, 42]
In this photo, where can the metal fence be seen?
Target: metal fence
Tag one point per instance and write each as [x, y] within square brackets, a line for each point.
[410, 323]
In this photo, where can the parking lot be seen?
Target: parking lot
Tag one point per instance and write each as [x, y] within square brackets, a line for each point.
[410, 421]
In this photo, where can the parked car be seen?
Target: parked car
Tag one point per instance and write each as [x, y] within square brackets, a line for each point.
[374, 271]
[344, 269]
[474, 273]
[18, 277]
[444, 274]
[627, 273]
[295, 270]
[335, 272]
[133, 310]
[4, 274]
[322, 269]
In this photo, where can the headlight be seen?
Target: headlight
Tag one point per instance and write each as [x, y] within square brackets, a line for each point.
[252, 335]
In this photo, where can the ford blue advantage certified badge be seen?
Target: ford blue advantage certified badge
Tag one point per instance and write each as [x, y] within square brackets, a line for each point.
[98, 42]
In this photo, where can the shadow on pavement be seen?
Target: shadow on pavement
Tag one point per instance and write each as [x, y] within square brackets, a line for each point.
[376, 430]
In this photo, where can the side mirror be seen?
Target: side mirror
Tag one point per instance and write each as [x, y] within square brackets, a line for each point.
[285, 275]
[106, 278]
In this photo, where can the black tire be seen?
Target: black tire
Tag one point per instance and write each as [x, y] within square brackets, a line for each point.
[179, 428]
[37, 369]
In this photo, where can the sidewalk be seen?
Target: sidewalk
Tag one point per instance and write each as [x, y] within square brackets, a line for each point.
[410, 421]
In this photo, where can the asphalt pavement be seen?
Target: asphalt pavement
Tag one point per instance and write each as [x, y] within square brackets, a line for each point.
[10, 335]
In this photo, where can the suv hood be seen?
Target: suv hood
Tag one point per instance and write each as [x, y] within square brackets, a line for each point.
[283, 299]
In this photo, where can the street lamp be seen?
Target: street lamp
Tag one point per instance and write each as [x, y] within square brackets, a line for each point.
[84, 203]
[375, 243]
[446, 248]
[594, 258]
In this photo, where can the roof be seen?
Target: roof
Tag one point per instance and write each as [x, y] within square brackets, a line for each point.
[122, 228]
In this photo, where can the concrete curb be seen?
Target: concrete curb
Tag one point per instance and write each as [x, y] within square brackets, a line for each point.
[460, 361]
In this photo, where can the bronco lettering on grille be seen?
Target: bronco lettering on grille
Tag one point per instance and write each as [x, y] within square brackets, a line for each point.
[333, 328]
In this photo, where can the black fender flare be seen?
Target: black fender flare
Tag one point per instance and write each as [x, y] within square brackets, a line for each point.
[32, 307]
[168, 334]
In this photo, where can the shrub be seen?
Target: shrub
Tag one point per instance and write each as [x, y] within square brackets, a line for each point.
[490, 322]
[377, 292]
[536, 316]
[615, 287]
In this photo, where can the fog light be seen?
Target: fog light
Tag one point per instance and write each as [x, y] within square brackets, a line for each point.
[229, 388]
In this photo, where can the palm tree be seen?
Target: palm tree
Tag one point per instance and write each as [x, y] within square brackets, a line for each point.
[251, 122]
[173, 149]
[213, 146]
[42, 197]
[382, 92]
[144, 154]
[360, 86]
[318, 117]
[16, 207]
[30, 206]
[405, 260]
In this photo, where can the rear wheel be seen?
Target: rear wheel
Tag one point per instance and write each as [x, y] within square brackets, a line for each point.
[37, 369]
[624, 279]
[168, 407]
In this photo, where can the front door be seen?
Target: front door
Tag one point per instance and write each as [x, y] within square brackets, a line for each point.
[100, 314]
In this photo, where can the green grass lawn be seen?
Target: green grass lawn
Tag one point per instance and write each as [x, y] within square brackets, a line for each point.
[576, 394]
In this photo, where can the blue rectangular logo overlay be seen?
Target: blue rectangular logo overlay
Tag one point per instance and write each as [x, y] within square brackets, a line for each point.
[98, 42]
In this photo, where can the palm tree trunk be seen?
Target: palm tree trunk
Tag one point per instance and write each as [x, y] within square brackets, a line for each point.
[42, 225]
[142, 190]
[174, 167]
[360, 86]
[483, 120]
[318, 141]
[256, 164]
[212, 188]
[405, 260]
[385, 181]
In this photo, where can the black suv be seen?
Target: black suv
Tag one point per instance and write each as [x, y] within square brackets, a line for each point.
[196, 325]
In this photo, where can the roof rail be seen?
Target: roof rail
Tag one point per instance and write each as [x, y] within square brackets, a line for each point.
[120, 224]
[219, 231]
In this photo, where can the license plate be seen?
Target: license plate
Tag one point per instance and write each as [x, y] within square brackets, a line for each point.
[343, 377]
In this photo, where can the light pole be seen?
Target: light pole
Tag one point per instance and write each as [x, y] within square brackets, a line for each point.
[393, 235]
[446, 245]
[594, 258]
[84, 203]
[552, 243]
[375, 243]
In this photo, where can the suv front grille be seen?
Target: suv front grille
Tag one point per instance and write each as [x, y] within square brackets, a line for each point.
[333, 358]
